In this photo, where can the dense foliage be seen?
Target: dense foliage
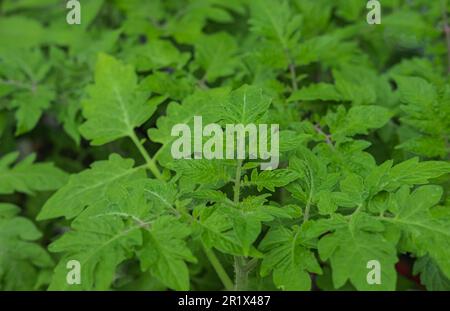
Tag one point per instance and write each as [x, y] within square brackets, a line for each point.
[86, 174]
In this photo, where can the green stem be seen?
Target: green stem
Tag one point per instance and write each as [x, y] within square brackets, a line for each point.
[241, 273]
[150, 162]
[307, 209]
[293, 77]
[237, 183]
[308, 204]
[292, 71]
[240, 263]
[221, 273]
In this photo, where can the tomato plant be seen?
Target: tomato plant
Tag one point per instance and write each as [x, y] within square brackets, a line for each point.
[92, 197]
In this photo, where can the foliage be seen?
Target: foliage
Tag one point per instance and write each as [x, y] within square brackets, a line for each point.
[364, 116]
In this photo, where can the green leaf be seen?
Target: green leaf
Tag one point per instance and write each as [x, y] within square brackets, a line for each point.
[162, 195]
[110, 231]
[270, 179]
[216, 56]
[355, 85]
[248, 104]
[21, 257]
[350, 9]
[27, 176]
[157, 54]
[20, 32]
[326, 204]
[317, 15]
[330, 49]
[426, 106]
[416, 91]
[99, 244]
[276, 22]
[90, 186]
[175, 87]
[349, 251]
[115, 105]
[315, 183]
[358, 120]
[289, 260]
[216, 229]
[247, 227]
[319, 91]
[164, 252]
[413, 172]
[8, 210]
[408, 28]
[30, 106]
[202, 103]
[353, 187]
[428, 234]
[248, 217]
[186, 27]
[203, 171]
[24, 77]
[430, 275]
[427, 146]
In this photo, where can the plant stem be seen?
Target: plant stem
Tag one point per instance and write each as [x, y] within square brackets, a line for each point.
[307, 208]
[327, 136]
[308, 203]
[150, 162]
[221, 273]
[241, 273]
[291, 70]
[202, 82]
[237, 183]
[293, 76]
[240, 263]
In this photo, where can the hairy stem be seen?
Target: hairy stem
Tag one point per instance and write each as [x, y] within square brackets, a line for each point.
[240, 263]
[327, 136]
[202, 82]
[241, 273]
[150, 162]
[308, 207]
[293, 76]
[237, 182]
[292, 70]
[308, 203]
[221, 273]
